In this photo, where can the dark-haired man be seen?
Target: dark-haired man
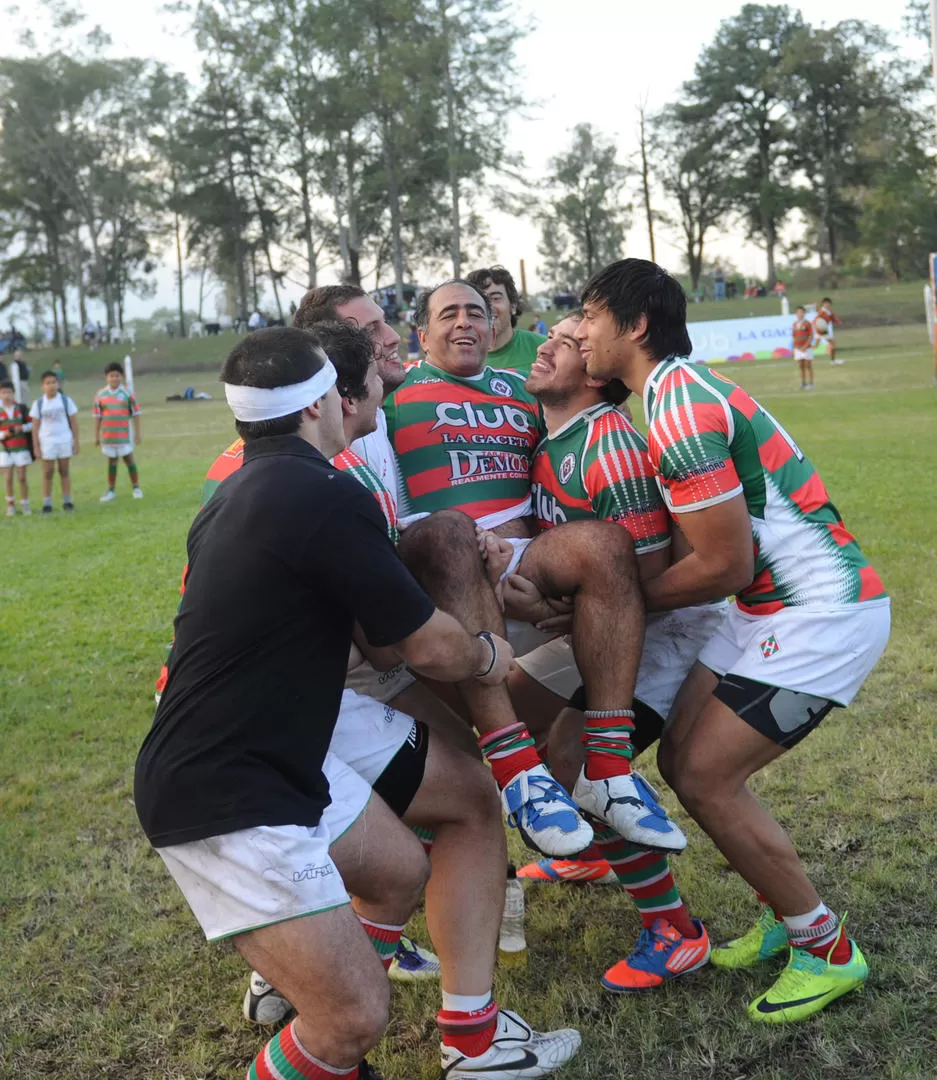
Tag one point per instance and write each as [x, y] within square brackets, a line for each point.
[512, 349]
[465, 435]
[810, 620]
[235, 785]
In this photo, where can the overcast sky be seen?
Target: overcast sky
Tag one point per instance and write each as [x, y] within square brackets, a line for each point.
[588, 61]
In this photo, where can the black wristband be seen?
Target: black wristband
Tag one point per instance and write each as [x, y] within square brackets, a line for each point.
[486, 636]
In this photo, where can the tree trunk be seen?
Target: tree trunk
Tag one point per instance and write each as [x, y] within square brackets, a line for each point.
[393, 201]
[353, 239]
[201, 290]
[646, 184]
[307, 229]
[179, 278]
[56, 340]
[455, 242]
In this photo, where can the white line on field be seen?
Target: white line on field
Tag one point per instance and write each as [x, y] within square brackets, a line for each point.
[872, 391]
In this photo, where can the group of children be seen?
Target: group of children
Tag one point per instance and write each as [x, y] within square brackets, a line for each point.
[48, 432]
[807, 334]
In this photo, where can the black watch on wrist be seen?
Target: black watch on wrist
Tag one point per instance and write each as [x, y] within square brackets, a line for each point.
[486, 636]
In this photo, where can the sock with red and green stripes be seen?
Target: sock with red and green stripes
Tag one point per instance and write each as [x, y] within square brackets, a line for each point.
[111, 473]
[468, 1022]
[509, 751]
[425, 836]
[607, 742]
[648, 880]
[134, 475]
[285, 1058]
[384, 939]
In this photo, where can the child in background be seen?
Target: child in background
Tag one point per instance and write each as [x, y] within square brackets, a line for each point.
[55, 438]
[114, 408]
[803, 334]
[825, 326]
[15, 439]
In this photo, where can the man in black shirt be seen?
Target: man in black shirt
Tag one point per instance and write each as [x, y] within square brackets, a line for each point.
[233, 784]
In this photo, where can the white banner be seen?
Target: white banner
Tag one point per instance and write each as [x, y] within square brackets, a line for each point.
[764, 337]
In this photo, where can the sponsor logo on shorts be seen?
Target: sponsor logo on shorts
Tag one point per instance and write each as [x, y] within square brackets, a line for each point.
[389, 714]
[769, 647]
[567, 467]
[311, 873]
[499, 386]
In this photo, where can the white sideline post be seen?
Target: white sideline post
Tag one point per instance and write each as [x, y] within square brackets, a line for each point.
[17, 385]
[929, 311]
[128, 372]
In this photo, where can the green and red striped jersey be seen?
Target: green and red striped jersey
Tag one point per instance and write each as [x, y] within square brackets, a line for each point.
[464, 443]
[596, 466]
[709, 441]
[803, 334]
[16, 416]
[115, 408]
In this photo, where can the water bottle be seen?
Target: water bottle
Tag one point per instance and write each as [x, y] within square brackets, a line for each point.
[512, 945]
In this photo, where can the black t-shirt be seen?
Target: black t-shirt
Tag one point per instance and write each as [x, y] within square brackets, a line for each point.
[285, 557]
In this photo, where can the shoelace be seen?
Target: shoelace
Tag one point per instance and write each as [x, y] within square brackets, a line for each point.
[550, 792]
[407, 954]
[644, 956]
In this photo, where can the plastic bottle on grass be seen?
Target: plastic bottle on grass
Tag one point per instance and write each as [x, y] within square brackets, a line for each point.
[512, 945]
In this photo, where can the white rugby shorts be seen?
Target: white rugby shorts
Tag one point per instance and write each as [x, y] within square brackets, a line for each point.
[116, 450]
[256, 877]
[54, 451]
[826, 652]
[382, 686]
[15, 458]
[672, 643]
[803, 354]
[524, 637]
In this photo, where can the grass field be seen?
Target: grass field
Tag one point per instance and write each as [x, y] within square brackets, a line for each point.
[104, 972]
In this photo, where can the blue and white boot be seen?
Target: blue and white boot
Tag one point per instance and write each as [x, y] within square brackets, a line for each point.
[544, 814]
[628, 804]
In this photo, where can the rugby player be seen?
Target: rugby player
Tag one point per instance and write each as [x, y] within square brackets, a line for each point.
[465, 435]
[593, 464]
[511, 349]
[810, 619]
[454, 803]
[237, 786]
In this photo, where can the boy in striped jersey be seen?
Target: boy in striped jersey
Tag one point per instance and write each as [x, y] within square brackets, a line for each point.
[15, 438]
[804, 336]
[465, 434]
[810, 620]
[114, 409]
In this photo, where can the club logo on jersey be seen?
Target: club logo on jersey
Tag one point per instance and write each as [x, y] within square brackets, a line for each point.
[546, 508]
[465, 414]
[567, 467]
[500, 387]
[769, 647]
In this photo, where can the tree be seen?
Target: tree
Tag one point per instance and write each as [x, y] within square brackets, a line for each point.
[738, 88]
[689, 163]
[584, 221]
[646, 176]
[834, 80]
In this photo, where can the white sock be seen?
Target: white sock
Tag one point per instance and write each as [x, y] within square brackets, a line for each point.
[464, 1002]
[802, 922]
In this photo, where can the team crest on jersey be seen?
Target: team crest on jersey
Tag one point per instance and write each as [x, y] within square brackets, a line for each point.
[769, 647]
[499, 386]
[567, 467]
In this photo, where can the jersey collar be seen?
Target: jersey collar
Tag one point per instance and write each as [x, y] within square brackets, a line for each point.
[653, 381]
[587, 413]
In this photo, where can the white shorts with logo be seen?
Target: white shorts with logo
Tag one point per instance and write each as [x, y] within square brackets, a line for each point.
[803, 354]
[15, 458]
[116, 450]
[256, 877]
[382, 686]
[52, 451]
[826, 652]
[672, 643]
[524, 637]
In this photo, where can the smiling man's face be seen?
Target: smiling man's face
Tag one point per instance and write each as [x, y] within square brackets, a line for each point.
[458, 332]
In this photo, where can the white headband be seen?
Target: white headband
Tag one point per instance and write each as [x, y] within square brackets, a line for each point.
[252, 403]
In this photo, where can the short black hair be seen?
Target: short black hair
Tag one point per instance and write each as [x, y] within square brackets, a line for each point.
[351, 350]
[6, 384]
[800, 307]
[268, 358]
[114, 366]
[827, 300]
[630, 288]
[421, 311]
[49, 375]
[497, 275]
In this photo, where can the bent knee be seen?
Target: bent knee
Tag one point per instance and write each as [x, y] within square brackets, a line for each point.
[364, 1020]
[440, 534]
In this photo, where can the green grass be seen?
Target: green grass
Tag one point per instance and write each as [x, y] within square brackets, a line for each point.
[105, 973]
